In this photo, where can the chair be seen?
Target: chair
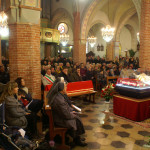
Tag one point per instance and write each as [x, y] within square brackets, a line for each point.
[111, 78]
[53, 131]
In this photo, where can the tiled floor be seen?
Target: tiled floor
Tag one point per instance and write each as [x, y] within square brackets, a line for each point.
[105, 132]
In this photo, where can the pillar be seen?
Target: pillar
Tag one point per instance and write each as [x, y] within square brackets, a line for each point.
[110, 51]
[117, 49]
[24, 44]
[145, 35]
[79, 51]
[47, 50]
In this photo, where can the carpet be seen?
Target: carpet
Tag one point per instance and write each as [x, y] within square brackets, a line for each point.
[145, 123]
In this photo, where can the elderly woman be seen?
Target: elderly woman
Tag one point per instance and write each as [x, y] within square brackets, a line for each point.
[63, 113]
[14, 113]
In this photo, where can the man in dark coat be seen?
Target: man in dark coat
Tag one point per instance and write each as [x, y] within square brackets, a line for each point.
[64, 74]
[76, 76]
[63, 114]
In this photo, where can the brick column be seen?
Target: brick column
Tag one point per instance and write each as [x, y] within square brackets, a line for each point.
[79, 51]
[24, 43]
[145, 35]
[24, 55]
[110, 51]
[116, 49]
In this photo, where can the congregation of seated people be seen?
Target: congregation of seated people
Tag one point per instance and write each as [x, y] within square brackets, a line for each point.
[96, 69]
[16, 94]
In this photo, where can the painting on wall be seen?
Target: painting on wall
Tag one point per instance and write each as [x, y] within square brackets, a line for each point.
[98, 47]
[32, 3]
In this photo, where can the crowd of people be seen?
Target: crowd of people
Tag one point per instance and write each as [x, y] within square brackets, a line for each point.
[96, 69]
[21, 109]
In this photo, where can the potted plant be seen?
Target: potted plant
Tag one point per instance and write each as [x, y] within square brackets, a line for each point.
[107, 92]
[132, 52]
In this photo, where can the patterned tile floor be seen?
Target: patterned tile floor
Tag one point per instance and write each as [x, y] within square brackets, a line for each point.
[104, 132]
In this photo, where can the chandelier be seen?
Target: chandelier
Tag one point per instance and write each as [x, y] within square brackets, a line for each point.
[64, 38]
[92, 41]
[108, 33]
[3, 24]
[138, 36]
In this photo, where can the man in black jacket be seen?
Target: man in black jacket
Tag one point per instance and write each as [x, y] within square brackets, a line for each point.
[64, 74]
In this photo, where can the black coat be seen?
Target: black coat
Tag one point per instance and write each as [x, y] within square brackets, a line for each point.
[75, 77]
[66, 77]
[63, 115]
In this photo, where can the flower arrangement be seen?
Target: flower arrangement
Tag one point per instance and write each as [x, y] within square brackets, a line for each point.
[52, 145]
[108, 91]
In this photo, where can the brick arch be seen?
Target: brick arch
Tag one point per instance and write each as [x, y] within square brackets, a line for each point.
[60, 13]
[90, 9]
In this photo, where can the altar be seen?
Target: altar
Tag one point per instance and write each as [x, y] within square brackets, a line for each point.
[131, 108]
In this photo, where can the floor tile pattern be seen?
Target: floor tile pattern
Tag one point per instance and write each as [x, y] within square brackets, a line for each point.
[104, 132]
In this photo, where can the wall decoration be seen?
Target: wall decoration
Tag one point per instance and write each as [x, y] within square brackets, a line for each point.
[32, 3]
[98, 47]
[50, 35]
[102, 48]
[138, 46]
[63, 28]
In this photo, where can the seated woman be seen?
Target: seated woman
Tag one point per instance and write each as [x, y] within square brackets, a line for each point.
[14, 113]
[34, 104]
[63, 114]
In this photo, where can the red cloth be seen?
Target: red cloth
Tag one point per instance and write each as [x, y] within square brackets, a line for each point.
[24, 101]
[48, 87]
[133, 109]
[73, 86]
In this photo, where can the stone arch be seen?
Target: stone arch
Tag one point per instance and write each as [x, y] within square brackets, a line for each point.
[133, 36]
[90, 9]
[61, 14]
[123, 20]
[95, 22]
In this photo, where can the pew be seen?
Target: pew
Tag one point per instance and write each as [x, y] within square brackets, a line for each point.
[111, 77]
[78, 89]
[53, 131]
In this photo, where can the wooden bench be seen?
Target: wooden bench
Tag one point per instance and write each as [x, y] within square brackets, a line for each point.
[53, 131]
[111, 77]
[78, 89]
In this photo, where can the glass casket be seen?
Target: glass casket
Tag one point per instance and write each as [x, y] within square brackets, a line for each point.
[132, 88]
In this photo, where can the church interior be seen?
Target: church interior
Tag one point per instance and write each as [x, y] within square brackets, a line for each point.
[109, 38]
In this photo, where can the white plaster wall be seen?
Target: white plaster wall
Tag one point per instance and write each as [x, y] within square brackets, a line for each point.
[99, 41]
[125, 40]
